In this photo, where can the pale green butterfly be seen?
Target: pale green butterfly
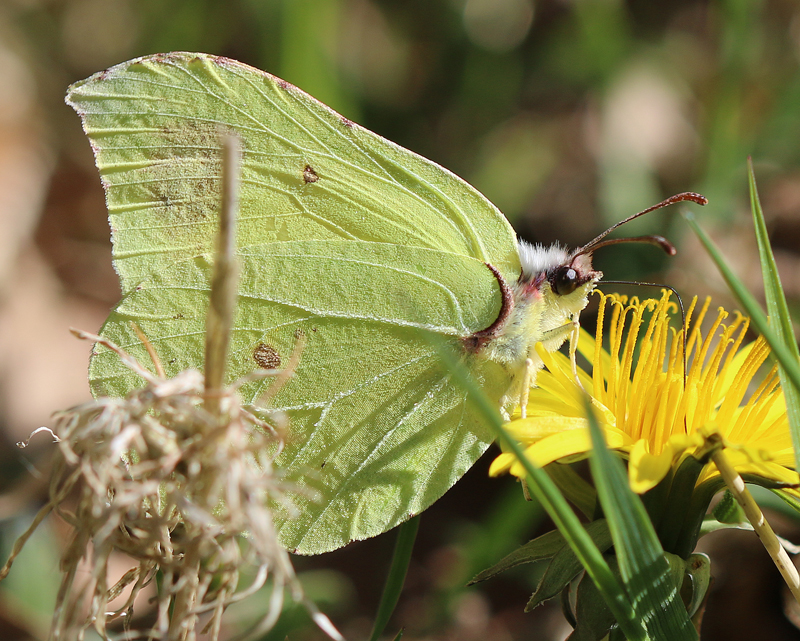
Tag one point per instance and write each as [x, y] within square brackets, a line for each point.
[377, 255]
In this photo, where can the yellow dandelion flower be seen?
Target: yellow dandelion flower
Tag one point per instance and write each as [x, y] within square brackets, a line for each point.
[650, 410]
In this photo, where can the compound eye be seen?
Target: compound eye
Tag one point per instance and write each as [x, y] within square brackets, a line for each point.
[565, 281]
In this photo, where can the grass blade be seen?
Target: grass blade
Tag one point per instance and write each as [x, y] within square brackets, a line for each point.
[785, 358]
[778, 312]
[642, 564]
[406, 535]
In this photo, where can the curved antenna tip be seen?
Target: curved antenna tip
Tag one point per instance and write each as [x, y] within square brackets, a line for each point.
[677, 198]
[688, 195]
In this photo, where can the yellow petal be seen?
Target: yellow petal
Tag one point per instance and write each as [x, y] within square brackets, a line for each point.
[752, 461]
[531, 430]
[567, 444]
[501, 464]
[646, 470]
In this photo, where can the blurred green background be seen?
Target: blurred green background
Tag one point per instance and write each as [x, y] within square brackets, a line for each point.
[568, 114]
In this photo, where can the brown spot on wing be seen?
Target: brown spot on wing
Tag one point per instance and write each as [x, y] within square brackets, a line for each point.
[183, 175]
[266, 356]
[309, 175]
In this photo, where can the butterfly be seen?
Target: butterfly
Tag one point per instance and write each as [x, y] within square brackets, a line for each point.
[377, 256]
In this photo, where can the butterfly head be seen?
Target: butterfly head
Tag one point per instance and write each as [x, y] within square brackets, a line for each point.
[553, 286]
[564, 278]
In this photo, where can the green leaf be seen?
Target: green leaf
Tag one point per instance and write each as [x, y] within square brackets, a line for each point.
[406, 535]
[565, 565]
[540, 548]
[643, 566]
[361, 251]
[778, 312]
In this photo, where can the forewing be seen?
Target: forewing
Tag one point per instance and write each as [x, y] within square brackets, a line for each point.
[307, 172]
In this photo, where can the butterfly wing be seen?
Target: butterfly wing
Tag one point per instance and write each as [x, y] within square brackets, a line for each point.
[375, 254]
[307, 172]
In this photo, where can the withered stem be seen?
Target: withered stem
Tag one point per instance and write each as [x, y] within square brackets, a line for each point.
[225, 277]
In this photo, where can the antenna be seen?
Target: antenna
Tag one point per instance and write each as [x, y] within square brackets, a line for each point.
[654, 240]
[659, 241]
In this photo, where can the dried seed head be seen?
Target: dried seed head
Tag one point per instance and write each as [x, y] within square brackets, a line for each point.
[181, 492]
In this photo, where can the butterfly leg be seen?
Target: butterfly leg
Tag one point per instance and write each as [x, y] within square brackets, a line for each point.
[552, 339]
[525, 377]
[530, 372]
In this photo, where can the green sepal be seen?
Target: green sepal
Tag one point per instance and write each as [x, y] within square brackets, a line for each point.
[697, 508]
[766, 482]
[675, 513]
[656, 499]
[574, 488]
[697, 524]
[710, 524]
[790, 499]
